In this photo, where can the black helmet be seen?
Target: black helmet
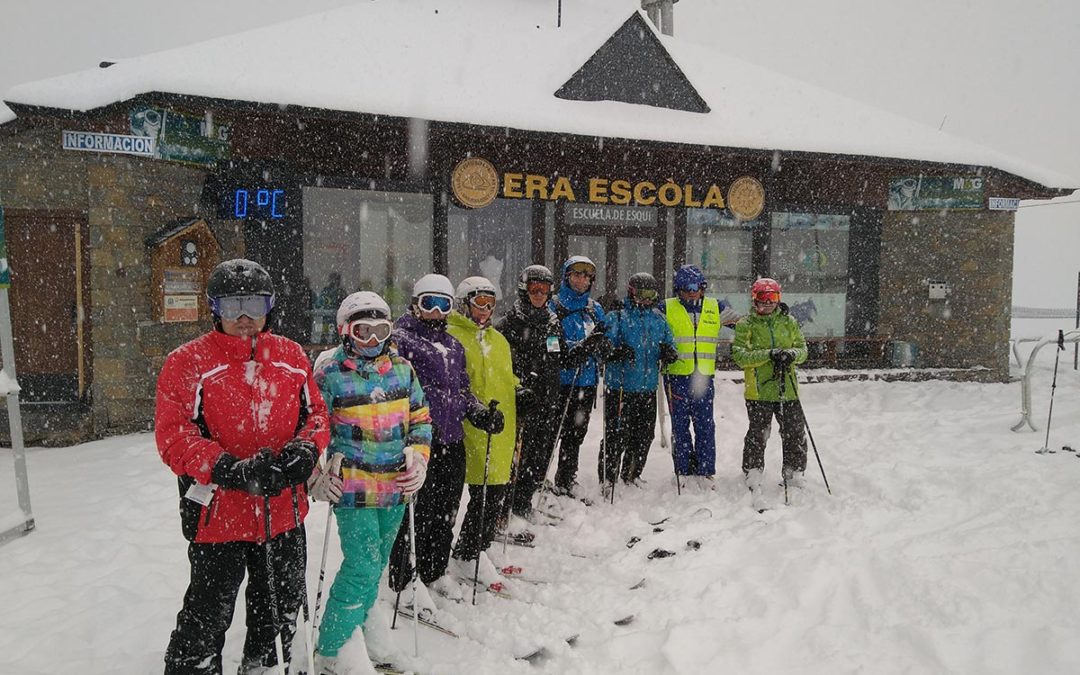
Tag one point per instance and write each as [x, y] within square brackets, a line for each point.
[643, 281]
[534, 274]
[239, 277]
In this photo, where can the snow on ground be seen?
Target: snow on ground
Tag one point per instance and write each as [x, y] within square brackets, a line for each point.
[947, 546]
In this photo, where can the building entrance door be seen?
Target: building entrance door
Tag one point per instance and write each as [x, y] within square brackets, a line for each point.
[48, 295]
[620, 240]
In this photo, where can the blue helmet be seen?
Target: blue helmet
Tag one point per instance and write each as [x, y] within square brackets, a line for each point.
[689, 277]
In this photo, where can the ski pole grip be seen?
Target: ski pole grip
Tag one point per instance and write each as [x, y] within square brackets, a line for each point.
[1061, 339]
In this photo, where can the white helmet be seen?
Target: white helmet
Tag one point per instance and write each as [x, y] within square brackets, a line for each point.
[471, 286]
[365, 303]
[433, 283]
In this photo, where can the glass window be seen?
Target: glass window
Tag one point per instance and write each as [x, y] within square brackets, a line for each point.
[809, 257]
[362, 240]
[493, 242]
[723, 248]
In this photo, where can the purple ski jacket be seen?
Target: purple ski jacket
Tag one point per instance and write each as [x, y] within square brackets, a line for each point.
[439, 361]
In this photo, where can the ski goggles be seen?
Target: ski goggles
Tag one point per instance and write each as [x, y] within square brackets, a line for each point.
[767, 296]
[483, 301]
[233, 307]
[583, 268]
[538, 288]
[646, 295]
[362, 330]
[432, 302]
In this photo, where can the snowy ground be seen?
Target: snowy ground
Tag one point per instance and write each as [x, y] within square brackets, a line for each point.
[947, 546]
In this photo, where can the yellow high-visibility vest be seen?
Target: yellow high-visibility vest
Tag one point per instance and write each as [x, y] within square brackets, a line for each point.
[697, 348]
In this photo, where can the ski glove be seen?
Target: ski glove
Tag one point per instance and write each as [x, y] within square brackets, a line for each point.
[254, 475]
[326, 485]
[623, 352]
[296, 461]
[412, 479]
[598, 345]
[524, 399]
[486, 419]
[782, 358]
[668, 354]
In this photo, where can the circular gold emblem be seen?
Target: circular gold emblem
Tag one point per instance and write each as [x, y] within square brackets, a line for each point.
[746, 198]
[474, 182]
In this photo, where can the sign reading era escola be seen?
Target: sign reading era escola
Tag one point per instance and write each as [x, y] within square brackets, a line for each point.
[476, 183]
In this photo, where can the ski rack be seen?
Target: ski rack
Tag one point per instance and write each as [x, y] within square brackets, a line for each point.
[1025, 381]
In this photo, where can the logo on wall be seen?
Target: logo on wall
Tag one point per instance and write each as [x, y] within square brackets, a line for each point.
[746, 198]
[474, 182]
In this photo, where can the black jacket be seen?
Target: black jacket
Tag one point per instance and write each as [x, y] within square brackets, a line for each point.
[533, 334]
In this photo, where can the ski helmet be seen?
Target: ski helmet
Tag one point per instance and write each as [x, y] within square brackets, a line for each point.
[534, 274]
[362, 305]
[765, 285]
[689, 278]
[643, 289]
[432, 283]
[578, 262]
[239, 277]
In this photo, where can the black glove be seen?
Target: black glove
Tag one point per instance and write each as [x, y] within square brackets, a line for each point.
[296, 461]
[486, 419]
[623, 352]
[782, 358]
[525, 399]
[254, 475]
[598, 345]
[668, 354]
[576, 356]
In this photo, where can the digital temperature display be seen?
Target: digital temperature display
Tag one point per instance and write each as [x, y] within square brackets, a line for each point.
[265, 203]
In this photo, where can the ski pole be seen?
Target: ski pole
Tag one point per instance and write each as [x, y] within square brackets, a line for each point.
[415, 578]
[516, 468]
[558, 432]
[667, 400]
[1053, 387]
[271, 591]
[483, 500]
[783, 424]
[621, 447]
[322, 563]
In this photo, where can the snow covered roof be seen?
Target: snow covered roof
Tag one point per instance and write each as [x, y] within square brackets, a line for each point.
[499, 63]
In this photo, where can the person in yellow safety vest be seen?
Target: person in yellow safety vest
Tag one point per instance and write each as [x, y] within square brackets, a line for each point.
[695, 323]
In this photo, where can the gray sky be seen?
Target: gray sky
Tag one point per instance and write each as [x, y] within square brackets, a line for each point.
[998, 72]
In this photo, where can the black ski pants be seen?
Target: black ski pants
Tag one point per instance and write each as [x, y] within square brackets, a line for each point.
[792, 433]
[538, 427]
[435, 514]
[629, 428]
[476, 534]
[574, 427]
[216, 573]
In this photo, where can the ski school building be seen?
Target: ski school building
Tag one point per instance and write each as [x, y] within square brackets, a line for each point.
[366, 146]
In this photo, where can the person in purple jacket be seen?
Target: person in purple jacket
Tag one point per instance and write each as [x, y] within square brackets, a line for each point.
[439, 361]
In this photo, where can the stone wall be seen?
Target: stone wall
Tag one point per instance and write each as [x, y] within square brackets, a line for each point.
[125, 200]
[970, 250]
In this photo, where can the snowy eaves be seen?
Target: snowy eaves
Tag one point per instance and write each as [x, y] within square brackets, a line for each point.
[499, 63]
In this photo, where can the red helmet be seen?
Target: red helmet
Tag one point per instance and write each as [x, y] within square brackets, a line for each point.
[766, 289]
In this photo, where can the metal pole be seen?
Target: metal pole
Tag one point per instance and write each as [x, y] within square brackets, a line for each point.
[1076, 347]
[22, 481]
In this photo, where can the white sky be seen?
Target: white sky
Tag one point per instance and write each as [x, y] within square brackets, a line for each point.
[999, 72]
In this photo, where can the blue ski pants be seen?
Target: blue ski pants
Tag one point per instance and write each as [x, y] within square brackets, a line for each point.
[367, 535]
[692, 405]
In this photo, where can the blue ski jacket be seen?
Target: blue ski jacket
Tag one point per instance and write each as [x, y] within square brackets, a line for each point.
[644, 330]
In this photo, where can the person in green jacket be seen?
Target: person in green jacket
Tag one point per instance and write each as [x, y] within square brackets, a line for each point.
[491, 376]
[768, 345]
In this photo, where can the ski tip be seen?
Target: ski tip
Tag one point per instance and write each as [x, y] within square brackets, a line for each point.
[535, 657]
[625, 621]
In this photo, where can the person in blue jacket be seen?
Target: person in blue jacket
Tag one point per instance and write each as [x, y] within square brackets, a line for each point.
[582, 321]
[642, 344]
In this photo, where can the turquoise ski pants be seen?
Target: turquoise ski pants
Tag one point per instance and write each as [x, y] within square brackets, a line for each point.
[366, 535]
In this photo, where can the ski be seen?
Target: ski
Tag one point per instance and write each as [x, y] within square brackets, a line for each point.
[497, 589]
[518, 574]
[625, 621]
[390, 669]
[639, 584]
[515, 540]
[408, 614]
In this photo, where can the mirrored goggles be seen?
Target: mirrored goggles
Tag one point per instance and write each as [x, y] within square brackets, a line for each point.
[584, 268]
[233, 307]
[646, 295]
[362, 330]
[766, 296]
[484, 301]
[539, 288]
[692, 288]
[432, 302]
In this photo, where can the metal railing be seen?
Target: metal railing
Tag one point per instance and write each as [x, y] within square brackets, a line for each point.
[1025, 382]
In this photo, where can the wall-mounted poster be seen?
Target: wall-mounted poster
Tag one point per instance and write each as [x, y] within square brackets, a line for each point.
[180, 137]
[181, 308]
[928, 193]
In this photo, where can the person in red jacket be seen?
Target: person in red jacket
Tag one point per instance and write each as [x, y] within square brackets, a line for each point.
[241, 423]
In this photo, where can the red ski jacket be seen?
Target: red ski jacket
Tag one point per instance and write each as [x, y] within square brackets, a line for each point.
[220, 394]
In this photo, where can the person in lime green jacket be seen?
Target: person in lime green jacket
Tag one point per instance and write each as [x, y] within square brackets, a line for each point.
[768, 345]
[491, 376]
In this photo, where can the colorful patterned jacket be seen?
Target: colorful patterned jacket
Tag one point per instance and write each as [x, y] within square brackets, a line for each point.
[376, 409]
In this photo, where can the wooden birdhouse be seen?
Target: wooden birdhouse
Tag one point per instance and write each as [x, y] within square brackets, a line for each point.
[182, 254]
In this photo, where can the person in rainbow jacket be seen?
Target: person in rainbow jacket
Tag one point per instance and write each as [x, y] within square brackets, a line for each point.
[380, 438]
